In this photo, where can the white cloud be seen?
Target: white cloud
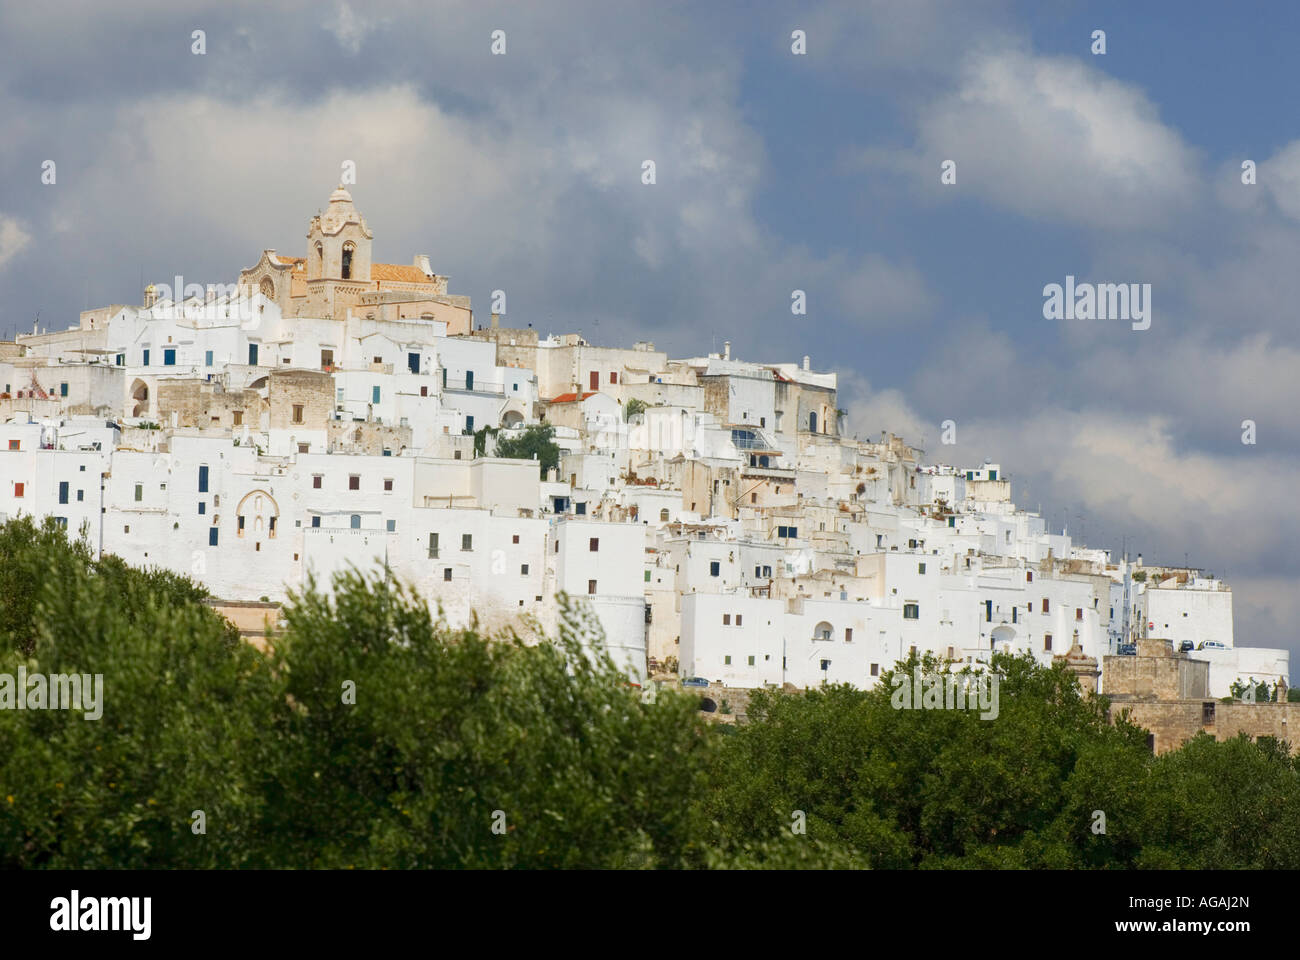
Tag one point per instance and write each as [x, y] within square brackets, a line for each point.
[1051, 138]
[13, 238]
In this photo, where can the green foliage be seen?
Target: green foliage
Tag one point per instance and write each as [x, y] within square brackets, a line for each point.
[537, 439]
[374, 735]
[480, 439]
[632, 408]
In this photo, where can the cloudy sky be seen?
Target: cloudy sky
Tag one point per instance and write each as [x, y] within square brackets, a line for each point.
[775, 172]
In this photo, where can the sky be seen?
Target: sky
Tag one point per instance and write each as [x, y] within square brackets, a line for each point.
[774, 172]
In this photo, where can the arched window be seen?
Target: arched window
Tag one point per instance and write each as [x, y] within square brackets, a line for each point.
[264, 510]
[267, 288]
[823, 631]
[347, 260]
[663, 515]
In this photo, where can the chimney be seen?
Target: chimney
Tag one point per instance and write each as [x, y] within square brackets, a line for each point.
[422, 261]
[726, 349]
[807, 362]
[496, 321]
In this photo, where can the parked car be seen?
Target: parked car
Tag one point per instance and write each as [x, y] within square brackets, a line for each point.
[694, 682]
[1128, 650]
[1185, 646]
[1212, 645]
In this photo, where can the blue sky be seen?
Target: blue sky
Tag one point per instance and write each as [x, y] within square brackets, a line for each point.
[775, 172]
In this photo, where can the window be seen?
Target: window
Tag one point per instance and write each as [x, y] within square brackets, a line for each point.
[920, 568]
[726, 660]
[739, 619]
[63, 389]
[18, 489]
[81, 495]
[297, 413]
[326, 359]
[252, 354]
[1014, 611]
[169, 357]
[316, 480]
[647, 576]
[515, 538]
[594, 379]
[751, 661]
[388, 484]
[304, 448]
[523, 570]
[767, 571]
[391, 525]
[1029, 576]
[580, 508]
[594, 544]
[239, 526]
[663, 515]
[212, 536]
[469, 424]
[848, 634]
[120, 358]
[144, 357]
[1047, 641]
[1207, 714]
[469, 379]
[424, 391]
[1046, 607]
[207, 358]
[315, 520]
[356, 521]
[726, 619]
[347, 261]
[139, 492]
[988, 611]
[1078, 613]
[591, 586]
[374, 394]
[467, 541]
[714, 568]
[875, 669]
[63, 492]
[613, 376]
[354, 481]
[413, 362]
[911, 611]
[446, 573]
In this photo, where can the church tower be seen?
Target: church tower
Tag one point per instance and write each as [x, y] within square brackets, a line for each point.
[338, 242]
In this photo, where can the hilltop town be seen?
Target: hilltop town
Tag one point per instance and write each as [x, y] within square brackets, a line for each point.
[329, 411]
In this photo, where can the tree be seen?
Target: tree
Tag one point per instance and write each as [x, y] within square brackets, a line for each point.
[537, 440]
[632, 408]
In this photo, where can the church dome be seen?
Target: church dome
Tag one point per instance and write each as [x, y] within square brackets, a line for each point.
[340, 195]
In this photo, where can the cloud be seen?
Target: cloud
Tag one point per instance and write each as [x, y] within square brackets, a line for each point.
[349, 28]
[1050, 138]
[13, 239]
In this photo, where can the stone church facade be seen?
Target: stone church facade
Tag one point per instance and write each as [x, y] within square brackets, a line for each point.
[338, 275]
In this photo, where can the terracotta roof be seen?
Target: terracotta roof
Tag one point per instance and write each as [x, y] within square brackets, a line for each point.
[398, 272]
[571, 397]
[299, 263]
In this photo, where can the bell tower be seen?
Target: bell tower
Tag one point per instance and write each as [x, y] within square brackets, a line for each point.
[338, 242]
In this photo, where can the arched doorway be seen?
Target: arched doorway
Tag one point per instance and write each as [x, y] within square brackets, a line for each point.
[139, 398]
